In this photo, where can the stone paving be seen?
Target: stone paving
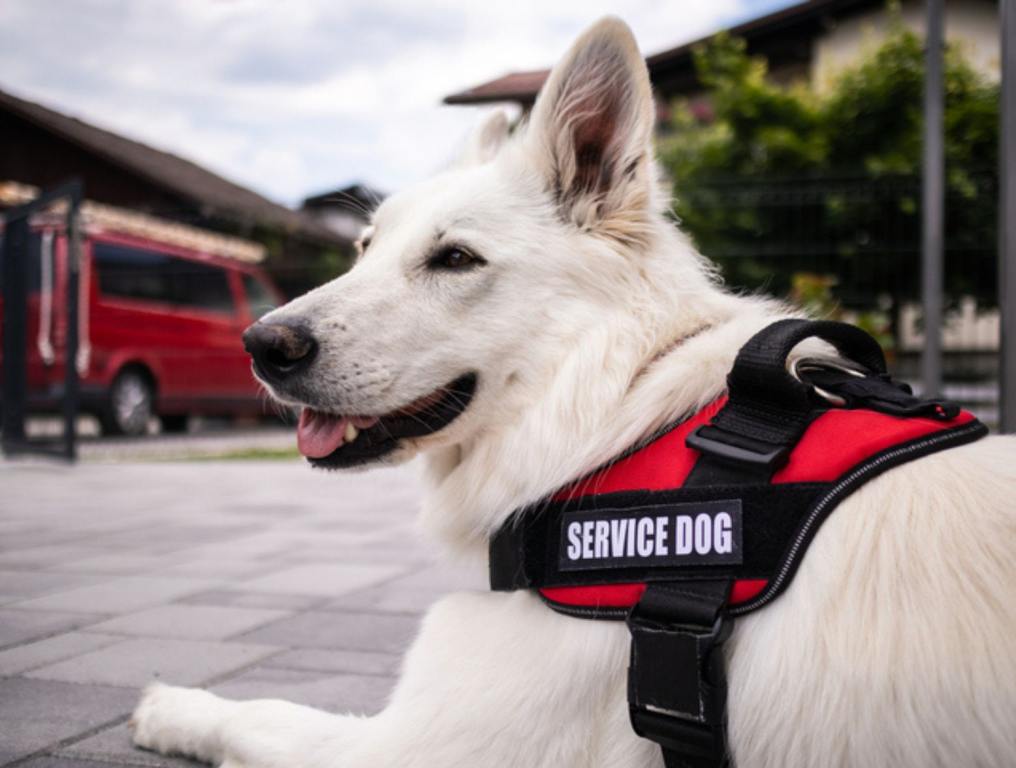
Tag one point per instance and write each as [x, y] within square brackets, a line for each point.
[253, 579]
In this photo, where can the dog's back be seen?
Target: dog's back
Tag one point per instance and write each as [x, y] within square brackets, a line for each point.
[896, 643]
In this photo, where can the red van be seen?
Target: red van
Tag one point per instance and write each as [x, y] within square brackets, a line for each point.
[162, 308]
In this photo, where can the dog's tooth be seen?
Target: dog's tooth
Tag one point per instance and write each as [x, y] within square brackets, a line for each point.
[351, 432]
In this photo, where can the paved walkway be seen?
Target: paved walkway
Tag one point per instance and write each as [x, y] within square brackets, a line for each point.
[215, 439]
[249, 578]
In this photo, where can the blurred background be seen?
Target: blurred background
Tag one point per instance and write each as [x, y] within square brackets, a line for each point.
[170, 171]
[228, 154]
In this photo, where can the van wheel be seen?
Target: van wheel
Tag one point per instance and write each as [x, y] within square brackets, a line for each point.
[174, 423]
[129, 405]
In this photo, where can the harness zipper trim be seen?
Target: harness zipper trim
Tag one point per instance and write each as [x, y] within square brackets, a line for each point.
[585, 611]
[789, 562]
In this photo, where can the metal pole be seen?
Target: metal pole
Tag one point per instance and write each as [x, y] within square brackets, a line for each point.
[933, 202]
[14, 397]
[16, 257]
[72, 386]
[1007, 221]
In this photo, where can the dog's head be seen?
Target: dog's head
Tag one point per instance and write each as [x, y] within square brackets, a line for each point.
[468, 286]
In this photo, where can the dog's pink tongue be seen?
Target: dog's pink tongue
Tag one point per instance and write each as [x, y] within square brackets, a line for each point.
[318, 434]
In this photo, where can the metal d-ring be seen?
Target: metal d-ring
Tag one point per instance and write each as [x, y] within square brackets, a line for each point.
[804, 364]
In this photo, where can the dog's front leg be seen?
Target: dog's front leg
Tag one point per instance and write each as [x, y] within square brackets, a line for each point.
[501, 681]
[493, 680]
[263, 733]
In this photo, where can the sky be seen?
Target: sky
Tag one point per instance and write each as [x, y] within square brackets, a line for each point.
[300, 97]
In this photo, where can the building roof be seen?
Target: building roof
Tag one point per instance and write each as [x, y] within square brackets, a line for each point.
[99, 217]
[515, 86]
[805, 19]
[214, 195]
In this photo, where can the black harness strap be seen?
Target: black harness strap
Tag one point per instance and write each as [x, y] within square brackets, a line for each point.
[748, 440]
[677, 685]
[768, 409]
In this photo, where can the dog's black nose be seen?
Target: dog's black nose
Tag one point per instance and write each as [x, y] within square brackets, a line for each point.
[279, 350]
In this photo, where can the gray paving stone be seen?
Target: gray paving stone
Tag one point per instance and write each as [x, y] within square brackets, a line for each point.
[445, 577]
[385, 599]
[172, 537]
[322, 579]
[414, 592]
[117, 595]
[191, 622]
[114, 744]
[349, 631]
[214, 566]
[237, 599]
[36, 714]
[23, 626]
[115, 563]
[21, 585]
[63, 762]
[354, 694]
[247, 542]
[43, 556]
[352, 662]
[137, 661]
[21, 658]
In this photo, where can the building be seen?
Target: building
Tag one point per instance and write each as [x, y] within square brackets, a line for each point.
[808, 42]
[43, 147]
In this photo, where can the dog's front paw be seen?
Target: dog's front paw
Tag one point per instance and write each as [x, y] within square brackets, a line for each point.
[178, 721]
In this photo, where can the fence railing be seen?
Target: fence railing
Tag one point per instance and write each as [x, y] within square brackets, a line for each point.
[863, 231]
[865, 234]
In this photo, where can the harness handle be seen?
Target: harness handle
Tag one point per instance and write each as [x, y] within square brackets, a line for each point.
[760, 370]
[768, 408]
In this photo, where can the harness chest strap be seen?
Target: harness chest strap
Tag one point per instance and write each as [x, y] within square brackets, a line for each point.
[710, 519]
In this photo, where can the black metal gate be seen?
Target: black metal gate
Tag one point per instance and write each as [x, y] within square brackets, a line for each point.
[16, 258]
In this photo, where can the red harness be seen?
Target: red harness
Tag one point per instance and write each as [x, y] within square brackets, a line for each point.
[836, 442]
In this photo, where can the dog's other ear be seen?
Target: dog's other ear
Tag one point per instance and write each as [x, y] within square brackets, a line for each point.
[591, 130]
[485, 141]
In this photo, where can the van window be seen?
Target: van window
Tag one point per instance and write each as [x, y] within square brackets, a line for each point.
[203, 286]
[135, 273]
[132, 273]
[259, 299]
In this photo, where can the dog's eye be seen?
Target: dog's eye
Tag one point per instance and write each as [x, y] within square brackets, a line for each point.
[454, 258]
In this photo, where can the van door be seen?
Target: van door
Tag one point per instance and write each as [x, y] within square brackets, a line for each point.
[208, 309]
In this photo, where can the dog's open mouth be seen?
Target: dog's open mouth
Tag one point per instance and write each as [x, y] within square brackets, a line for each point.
[337, 441]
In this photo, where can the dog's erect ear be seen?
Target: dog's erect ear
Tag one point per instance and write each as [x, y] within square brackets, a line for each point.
[592, 128]
[484, 142]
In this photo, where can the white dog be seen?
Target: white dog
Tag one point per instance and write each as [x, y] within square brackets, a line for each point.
[523, 318]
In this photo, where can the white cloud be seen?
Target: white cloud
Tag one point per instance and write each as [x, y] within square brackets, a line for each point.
[297, 97]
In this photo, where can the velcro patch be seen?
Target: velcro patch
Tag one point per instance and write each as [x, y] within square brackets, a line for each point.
[693, 533]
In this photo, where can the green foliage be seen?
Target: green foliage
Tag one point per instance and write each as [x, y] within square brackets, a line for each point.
[814, 294]
[774, 180]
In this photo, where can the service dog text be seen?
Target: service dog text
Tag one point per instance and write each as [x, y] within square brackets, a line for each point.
[698, 533]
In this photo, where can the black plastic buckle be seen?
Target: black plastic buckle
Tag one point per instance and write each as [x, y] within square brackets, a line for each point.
[709, 440]
[677, 686]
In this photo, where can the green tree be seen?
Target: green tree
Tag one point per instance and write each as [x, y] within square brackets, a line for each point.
[775, 180]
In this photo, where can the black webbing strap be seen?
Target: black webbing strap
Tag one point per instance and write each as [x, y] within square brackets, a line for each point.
[530, 550]
[676, 679]
[677, 685]
[768, 409]
[877, 392]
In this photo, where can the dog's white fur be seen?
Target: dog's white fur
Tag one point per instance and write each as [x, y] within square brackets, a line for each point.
[593, 323]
